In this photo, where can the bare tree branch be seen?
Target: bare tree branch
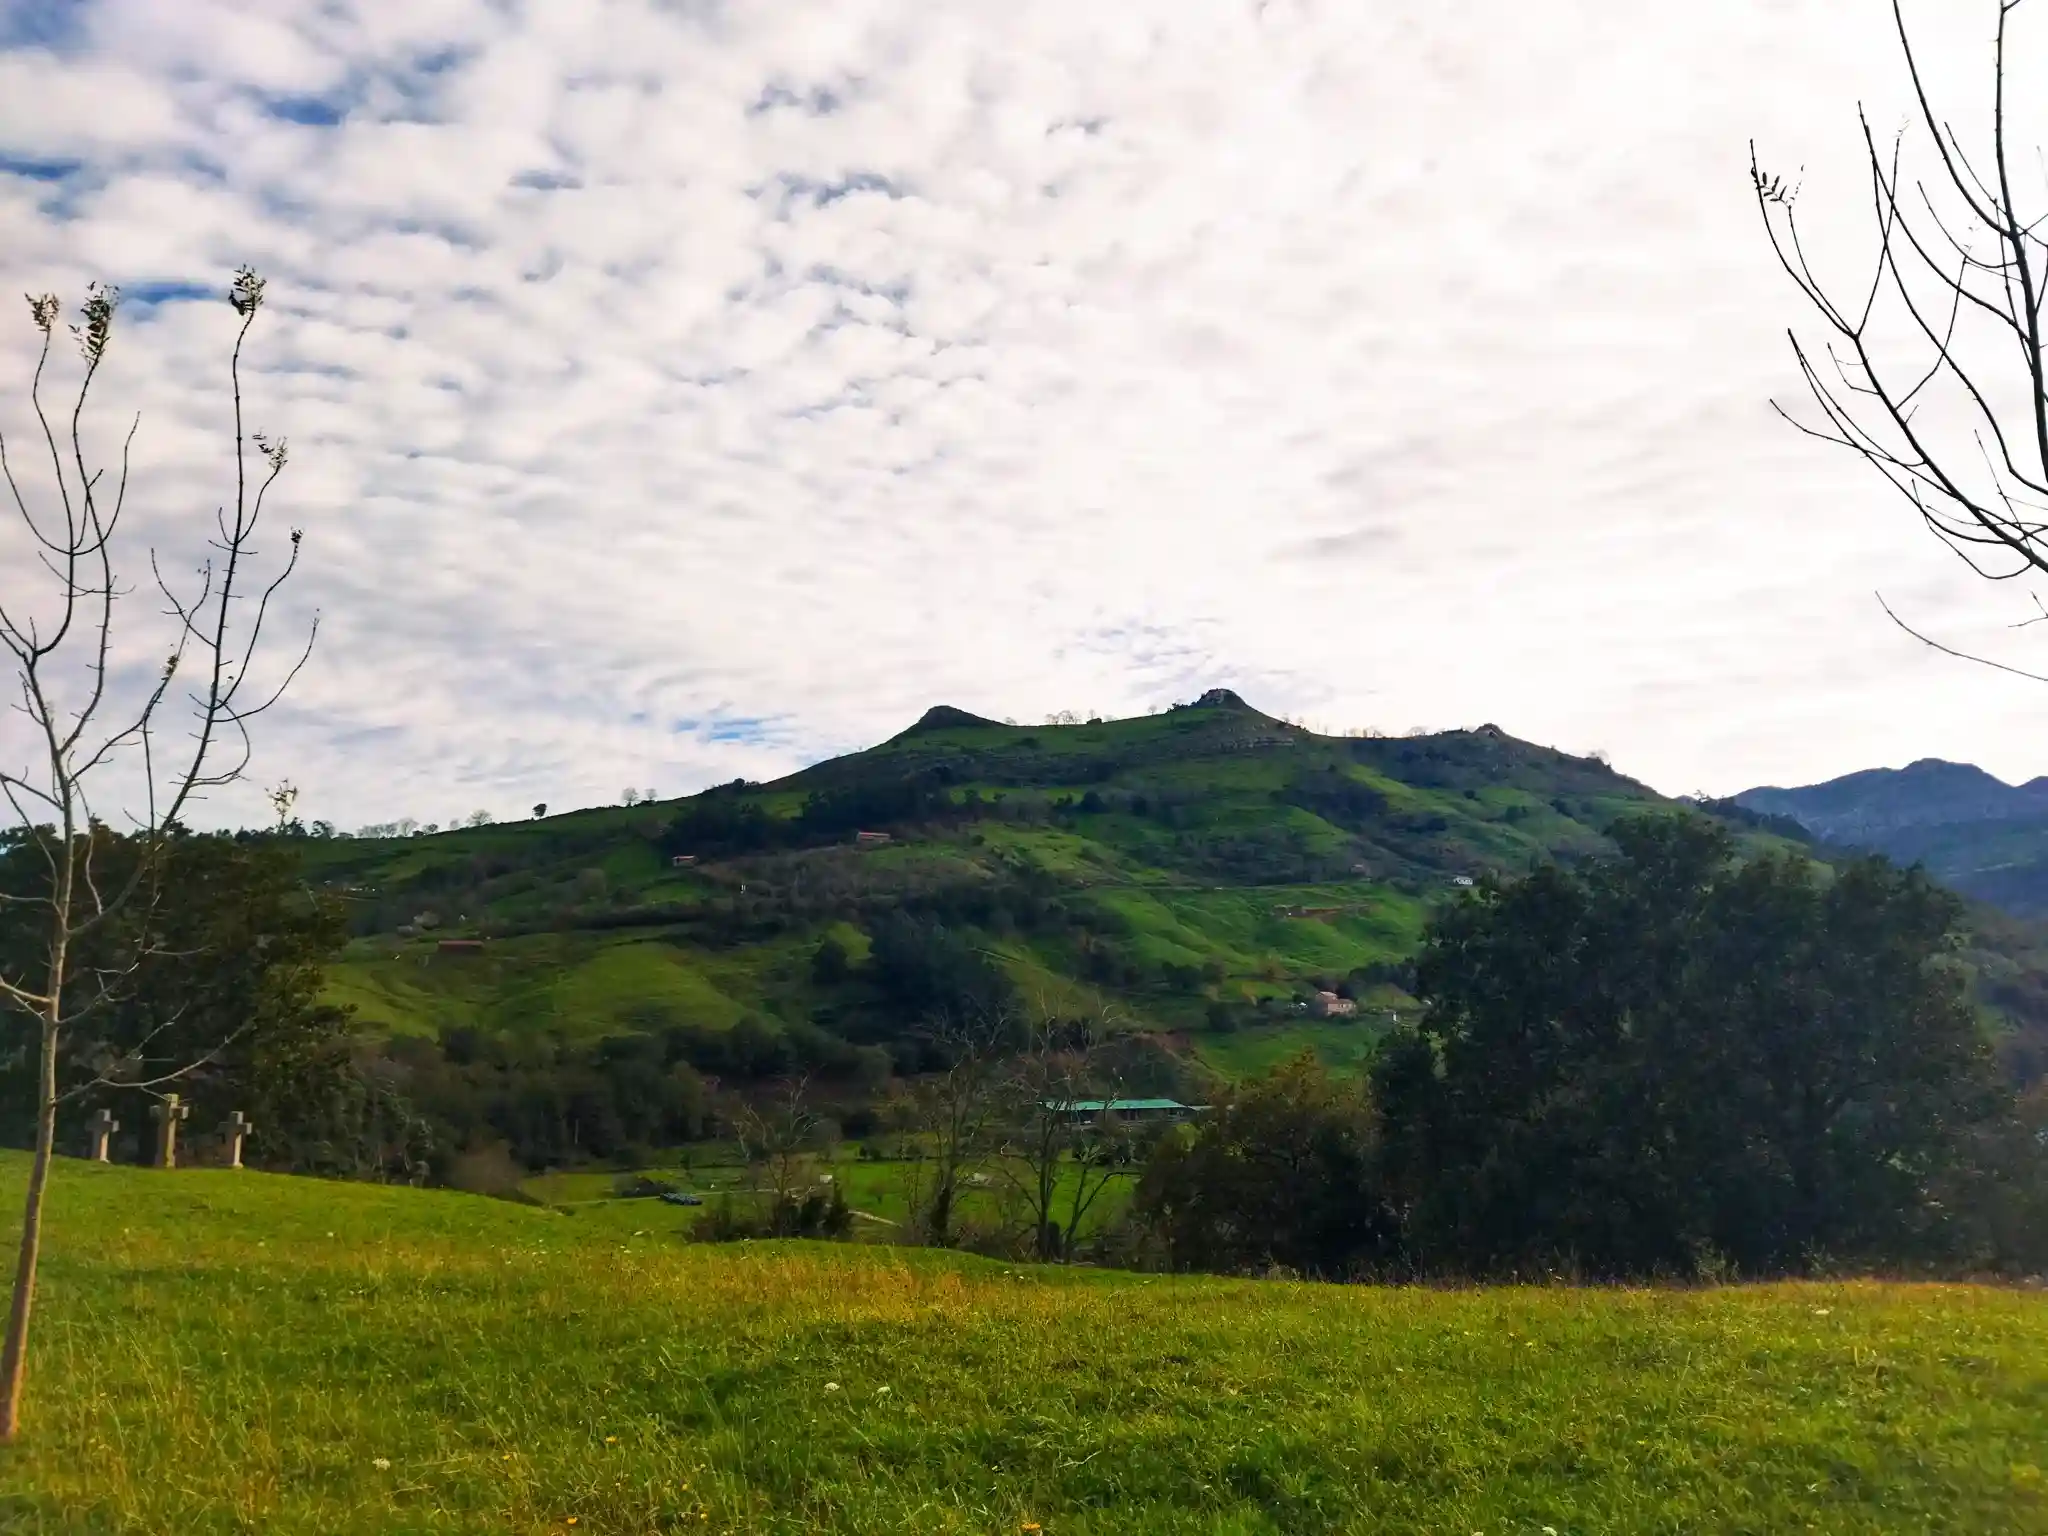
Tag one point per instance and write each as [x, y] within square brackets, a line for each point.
[64, 660]
[1958, 261]
[1946, 650]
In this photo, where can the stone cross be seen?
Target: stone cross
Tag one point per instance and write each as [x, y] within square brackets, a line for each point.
[167, 1115]
[236, 1128]
[102, 1127]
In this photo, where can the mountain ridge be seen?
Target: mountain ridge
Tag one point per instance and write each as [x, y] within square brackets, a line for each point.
[1971, 829]
[1928, 791]
[1161, 854]
[1208, 877]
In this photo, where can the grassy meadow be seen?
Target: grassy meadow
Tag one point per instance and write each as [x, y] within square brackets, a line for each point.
[237, 1352]
[1187, 863]
[883, 1194]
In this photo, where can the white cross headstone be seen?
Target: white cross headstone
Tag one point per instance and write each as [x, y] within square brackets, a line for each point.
[237, 1127]
[167, 1115]
[102, 1128]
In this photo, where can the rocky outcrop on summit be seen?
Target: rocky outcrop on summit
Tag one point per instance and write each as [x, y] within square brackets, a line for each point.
[944, 717]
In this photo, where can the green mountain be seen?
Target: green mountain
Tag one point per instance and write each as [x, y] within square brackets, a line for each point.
[1200, 874]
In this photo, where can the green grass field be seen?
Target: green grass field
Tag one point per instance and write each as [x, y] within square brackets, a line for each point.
[1344, 1047]
[881, 1194]
[235, 1352]
[573, 986]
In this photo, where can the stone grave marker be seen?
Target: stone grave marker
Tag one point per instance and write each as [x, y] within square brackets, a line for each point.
[167, 1115]
[233, 1132]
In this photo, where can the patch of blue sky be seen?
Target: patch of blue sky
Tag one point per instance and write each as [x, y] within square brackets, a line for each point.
[168, 291]
[308, 111]
[35, 168]
[748, 730]
[738, 730]
[896, 291]
[41, 23]
[790, 188]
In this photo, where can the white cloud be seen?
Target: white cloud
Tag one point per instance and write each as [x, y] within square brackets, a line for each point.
[654, 366]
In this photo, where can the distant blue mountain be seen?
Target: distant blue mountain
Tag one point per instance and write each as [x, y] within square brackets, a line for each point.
[1975, 832]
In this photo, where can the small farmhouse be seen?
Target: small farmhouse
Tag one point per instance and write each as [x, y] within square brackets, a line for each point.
[871, 839]
[1328, 1005]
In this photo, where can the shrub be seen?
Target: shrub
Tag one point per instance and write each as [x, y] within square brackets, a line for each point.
[639, 1186]
[1282, 1171]
[818, 1212]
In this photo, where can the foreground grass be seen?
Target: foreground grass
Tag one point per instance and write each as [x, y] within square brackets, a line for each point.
[234, 1352]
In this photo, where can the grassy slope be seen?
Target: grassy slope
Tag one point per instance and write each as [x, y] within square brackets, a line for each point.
[1341, 1046]
[1227, 765]
[237, 1352]
[1455, 804]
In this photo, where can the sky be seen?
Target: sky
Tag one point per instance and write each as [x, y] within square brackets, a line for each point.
[680, 390]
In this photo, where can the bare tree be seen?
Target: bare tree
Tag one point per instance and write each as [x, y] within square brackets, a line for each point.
[1063, 1131]
[780, 1142]
[955, 1110]
[1933, 370]
[92, 741]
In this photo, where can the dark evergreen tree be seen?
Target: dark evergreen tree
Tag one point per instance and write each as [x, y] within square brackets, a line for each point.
[1666, 1058]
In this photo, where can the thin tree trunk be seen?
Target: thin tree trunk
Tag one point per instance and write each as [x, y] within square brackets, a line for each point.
[14, 1355]
[939, 1222]
[1048, 1179]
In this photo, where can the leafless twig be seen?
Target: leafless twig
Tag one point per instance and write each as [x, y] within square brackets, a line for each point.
[64, 660]
[1957, 261]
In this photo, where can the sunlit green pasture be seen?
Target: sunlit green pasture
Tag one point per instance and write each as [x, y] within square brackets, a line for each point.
[238, 1352]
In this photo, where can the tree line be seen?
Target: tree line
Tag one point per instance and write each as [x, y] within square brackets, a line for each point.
[1666, 1061]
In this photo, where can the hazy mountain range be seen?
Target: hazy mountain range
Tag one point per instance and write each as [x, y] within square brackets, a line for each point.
[1978, 834]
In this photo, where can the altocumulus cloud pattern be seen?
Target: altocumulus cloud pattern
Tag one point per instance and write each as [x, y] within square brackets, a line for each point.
[686, 390]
